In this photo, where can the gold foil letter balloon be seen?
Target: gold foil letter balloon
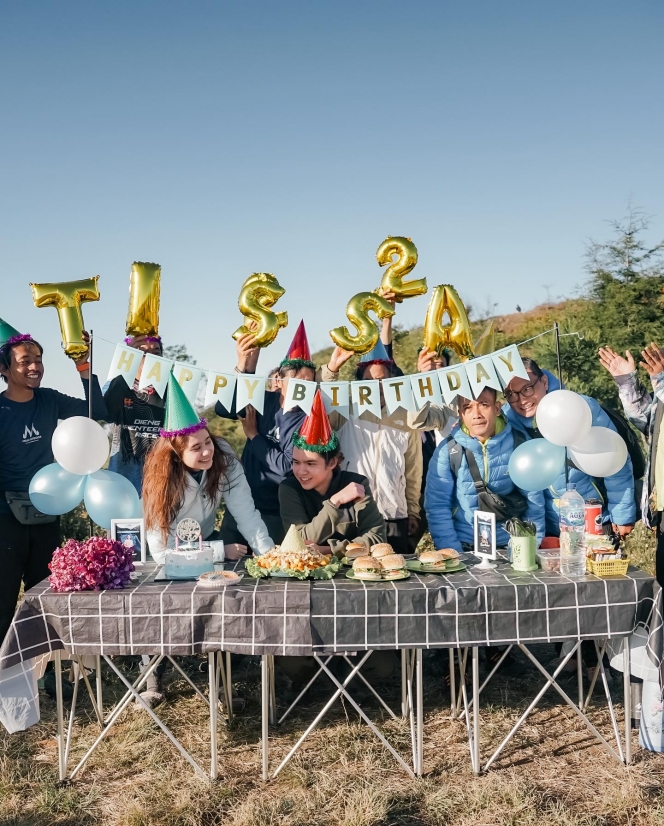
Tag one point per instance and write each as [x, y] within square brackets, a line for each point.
[260, 292]
[144, 285]
[486, 343]
[398, 270]
[455, 335]
[67, 297]
[357, 311]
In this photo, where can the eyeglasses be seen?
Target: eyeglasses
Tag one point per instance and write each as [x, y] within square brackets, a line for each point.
[525, 392]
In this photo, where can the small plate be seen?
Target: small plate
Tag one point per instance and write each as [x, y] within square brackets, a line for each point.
[416, 565]
[350, 573]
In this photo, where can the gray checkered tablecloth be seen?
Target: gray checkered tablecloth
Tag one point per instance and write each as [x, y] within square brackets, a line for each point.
[288, 617]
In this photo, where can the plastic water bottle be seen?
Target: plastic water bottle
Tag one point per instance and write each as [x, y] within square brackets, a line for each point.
[572, 533]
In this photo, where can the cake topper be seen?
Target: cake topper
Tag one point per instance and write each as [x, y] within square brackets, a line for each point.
[188, 530]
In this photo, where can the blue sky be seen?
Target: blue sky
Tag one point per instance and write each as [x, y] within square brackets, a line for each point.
[223, 138]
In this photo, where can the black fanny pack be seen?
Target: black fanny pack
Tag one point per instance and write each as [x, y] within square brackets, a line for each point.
[23, 509]
[505, 507]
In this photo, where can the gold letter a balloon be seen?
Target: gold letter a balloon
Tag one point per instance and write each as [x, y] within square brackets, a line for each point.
[456, 335]
[67, 297]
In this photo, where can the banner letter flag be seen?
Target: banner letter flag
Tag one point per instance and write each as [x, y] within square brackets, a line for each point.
[220, 388]
[300, 393]
[454, 382]
[125, 363]
[509, 364]
[188, 377]
[155, 373]
[398, 394]
[250, 390]
[426, 388]
[366, 397]
[336, 397]
[481, 373]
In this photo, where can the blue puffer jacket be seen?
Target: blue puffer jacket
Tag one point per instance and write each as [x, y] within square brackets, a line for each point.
[620, 507]
[450, 503]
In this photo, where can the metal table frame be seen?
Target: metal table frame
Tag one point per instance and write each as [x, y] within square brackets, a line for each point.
[411, 705]
[219, 678]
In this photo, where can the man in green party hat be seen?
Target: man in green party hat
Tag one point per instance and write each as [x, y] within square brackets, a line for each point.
[267, 457]
[29, 415]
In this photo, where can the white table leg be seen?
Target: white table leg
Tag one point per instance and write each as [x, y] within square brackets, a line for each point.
[476, 707]
[100, 689]
[419, 688]
[213, 698]
[627, 689]
[265, 713]
[57, 665]
[453, 697]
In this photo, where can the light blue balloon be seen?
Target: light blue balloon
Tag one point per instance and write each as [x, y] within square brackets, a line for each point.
[108, 496]
[536, 464]
[54, 490]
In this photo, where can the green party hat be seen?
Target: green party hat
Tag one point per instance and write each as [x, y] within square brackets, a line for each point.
[7, 333]
[181, 418]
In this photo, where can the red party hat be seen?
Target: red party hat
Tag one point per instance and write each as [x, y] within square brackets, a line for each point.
[316, 434]
[299, 347]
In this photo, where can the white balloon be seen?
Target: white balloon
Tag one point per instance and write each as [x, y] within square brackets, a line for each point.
[564, 417]
[80, 445]
[603, 452]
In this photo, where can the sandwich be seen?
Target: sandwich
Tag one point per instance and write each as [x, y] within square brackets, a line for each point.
[355, 550]
[393, 566]
[449, 553]
[433, 560]
[381, 550]
[367, 567]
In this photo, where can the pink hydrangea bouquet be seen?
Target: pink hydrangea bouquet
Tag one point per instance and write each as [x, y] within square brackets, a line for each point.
[92, 565]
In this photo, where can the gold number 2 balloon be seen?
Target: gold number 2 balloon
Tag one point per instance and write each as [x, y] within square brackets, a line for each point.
[67, 297]
[260, 292]
[399, 269]
[357, 311]
[144, 284]
[456, 335]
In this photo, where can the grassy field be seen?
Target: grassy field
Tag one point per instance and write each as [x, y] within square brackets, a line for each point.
[552, 773]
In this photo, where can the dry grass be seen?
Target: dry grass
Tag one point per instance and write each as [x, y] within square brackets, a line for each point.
[552, 774]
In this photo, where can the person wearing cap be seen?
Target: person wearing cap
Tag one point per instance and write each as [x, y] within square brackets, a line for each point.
[267, 457]
[617, 491]
[329, 506]
[29, 415]
[134, 416]
[387, 452]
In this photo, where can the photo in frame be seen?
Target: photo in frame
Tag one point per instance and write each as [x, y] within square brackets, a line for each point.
[484, 530]
[131, 533]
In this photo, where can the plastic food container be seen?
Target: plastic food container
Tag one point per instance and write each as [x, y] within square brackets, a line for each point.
[549, 559]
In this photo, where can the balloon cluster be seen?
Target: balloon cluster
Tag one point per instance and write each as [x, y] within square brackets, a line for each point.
[566, 422]
[81, 449]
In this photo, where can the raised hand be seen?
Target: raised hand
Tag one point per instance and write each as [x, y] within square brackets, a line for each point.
[615, 363]
[351, 493]
[653, 359]
[247, 353]
[425, 360]
[249, 422]
[338, 358]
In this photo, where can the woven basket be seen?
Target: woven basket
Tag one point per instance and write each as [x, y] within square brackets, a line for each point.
[609, 567]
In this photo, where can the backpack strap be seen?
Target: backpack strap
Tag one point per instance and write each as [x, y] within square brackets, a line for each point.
[456, 452]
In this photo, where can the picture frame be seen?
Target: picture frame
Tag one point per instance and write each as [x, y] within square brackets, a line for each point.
[484, 532]
[131, 531]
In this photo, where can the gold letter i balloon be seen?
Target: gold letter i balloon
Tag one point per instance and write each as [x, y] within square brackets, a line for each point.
[357, 311]
[67, 297]
[456, 335]
[144, 285]
[260, 292]
[398, 270]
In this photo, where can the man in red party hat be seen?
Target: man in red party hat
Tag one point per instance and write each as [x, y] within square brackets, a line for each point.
[268, 454]
[330, 507]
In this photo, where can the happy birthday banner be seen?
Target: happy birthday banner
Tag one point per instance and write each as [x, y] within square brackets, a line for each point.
[409, 393]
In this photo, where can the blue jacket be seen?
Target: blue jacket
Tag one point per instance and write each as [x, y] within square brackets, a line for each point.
[620, 507]
[450, 503]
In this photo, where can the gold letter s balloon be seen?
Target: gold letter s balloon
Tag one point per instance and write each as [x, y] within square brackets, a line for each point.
[455, 335]
[260, 292]
[67, 297]
[357, 311]
[143, 315]
[398, 270]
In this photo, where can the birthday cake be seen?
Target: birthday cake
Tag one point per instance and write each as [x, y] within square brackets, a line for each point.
[192, 557]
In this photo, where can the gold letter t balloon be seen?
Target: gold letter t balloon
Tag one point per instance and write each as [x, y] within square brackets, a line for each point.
[67, 297]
